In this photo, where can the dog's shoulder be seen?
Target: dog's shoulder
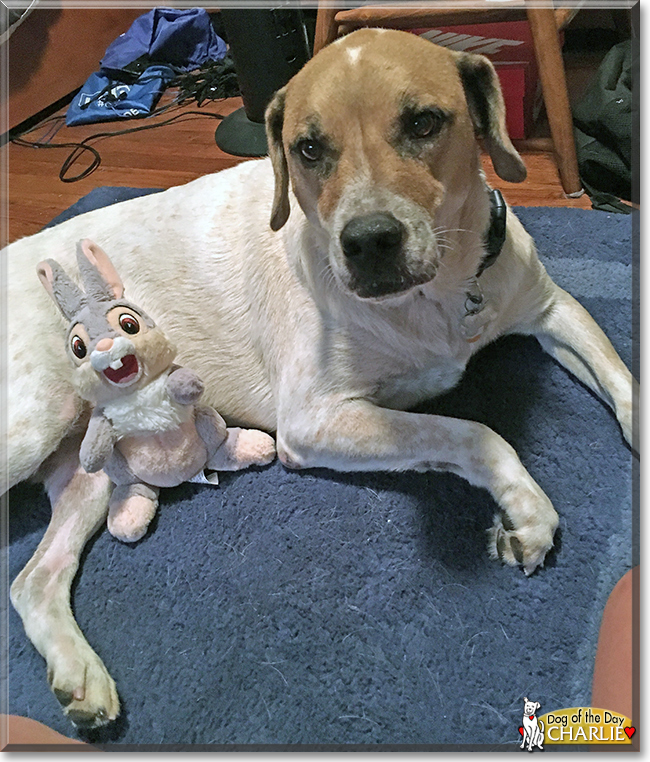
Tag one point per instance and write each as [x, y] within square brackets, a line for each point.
[517, 283]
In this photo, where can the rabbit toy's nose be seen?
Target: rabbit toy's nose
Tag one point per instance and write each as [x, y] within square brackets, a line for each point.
[109, 352]
[104, 345]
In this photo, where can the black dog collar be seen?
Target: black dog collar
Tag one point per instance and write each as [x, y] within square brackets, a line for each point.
[496, 233]
[474, 322]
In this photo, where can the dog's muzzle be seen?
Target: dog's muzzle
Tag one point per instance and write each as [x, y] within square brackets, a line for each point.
[373, 240]
[374, 250]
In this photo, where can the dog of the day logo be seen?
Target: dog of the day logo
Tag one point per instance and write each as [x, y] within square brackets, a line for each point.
[578, 725]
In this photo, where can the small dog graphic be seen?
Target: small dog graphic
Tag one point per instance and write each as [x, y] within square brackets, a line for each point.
[533, 729]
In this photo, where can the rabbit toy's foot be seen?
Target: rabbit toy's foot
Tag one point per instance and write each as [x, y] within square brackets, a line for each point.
[131, 509]
[243, 448]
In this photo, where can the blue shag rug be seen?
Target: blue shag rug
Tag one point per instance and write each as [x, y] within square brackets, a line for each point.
[319, 608]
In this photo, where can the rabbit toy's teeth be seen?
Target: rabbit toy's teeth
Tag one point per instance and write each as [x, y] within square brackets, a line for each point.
[127, 372]
[116, 364]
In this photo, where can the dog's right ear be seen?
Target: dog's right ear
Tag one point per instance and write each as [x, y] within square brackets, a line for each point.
[488, 112]
[274, 123]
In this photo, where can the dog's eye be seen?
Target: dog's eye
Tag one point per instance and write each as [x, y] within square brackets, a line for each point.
[424, 124]
[129, 324]
[311, 150]
[78, 347]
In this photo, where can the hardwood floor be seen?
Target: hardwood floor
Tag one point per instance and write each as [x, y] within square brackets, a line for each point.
[172, 155]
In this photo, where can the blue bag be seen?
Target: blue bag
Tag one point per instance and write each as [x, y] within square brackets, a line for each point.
[103, 99]
[185, 39]
[163, 42]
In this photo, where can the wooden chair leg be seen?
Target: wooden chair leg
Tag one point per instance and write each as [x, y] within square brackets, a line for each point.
[326, 27]
[556, 97]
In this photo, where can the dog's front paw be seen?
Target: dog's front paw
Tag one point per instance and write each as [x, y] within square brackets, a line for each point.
[525, 545]
[83, 687]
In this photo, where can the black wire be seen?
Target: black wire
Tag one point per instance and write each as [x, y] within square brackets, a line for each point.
[214, 81]
[78, 148]
[82, 146]
[60, 118]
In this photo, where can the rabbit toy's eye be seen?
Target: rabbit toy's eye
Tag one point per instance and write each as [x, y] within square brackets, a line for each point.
[78, 347]
[129, 324]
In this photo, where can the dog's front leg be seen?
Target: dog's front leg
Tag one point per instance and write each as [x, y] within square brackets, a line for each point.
[41, 595]
[356, 435]
[569, 334]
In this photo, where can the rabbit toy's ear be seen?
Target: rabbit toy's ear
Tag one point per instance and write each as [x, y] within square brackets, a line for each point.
[97, 272]
[67, 296]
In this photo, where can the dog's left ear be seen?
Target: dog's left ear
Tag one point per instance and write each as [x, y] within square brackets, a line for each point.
[274, 122]
[488, 112]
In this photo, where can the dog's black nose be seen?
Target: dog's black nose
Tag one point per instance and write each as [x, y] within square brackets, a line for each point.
[372, 238]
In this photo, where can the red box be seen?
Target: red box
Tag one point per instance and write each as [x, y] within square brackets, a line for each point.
[509, 45]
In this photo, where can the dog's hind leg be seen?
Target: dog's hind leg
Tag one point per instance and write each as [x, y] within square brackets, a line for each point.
[41, 592]
[42, 408]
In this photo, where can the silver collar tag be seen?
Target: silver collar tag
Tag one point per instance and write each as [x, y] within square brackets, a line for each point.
[475, 320]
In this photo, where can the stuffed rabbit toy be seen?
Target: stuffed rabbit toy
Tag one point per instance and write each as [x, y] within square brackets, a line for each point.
[146, 430]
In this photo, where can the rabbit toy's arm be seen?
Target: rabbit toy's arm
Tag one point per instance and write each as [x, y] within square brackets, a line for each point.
[184, 386]
[98, 443]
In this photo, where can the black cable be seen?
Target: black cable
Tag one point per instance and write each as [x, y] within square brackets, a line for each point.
[97, 160]
[82, 146]
[60, 118]
[214, 81]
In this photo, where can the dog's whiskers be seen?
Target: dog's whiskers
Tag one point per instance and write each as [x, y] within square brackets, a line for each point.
[327, 275]
[443, 230]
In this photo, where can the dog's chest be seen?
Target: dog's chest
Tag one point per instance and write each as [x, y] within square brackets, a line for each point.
[405, 391]
[414, 360]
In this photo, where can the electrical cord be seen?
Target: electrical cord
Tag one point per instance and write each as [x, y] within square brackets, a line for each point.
[83, 145]
[215, 81]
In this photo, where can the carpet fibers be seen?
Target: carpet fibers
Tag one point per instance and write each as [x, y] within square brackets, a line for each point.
[320, 608]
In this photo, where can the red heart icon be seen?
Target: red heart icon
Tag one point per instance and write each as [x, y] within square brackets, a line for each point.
[630, 731]
[521, 730]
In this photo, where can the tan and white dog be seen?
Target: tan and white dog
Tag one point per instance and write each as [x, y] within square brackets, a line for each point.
[325, 325]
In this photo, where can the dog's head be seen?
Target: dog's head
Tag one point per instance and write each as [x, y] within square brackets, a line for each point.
[530, 707]
[377, 136]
